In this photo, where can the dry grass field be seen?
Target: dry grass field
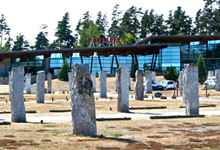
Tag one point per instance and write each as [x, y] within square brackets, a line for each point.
[138, 133]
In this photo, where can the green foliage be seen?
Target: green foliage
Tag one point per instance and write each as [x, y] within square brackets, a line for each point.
[20, 44]
[63, 73]
[92, 32]
[63, 33]
[171, 75]
[114, 31]
[179, 23]
[117, 135]
[130, 23]
[134, 68]
[127, 39]
[41, 40]
[202, 69]
[102, 23]
[4, 29]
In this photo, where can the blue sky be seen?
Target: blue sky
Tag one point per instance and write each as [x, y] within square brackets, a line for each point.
[26, 16]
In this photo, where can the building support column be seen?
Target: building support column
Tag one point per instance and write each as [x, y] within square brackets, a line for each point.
[116, 59]
[112, 63]
[100, 63]
[91, 63]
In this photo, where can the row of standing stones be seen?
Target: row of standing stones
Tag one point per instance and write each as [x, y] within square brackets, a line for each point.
[82, 89]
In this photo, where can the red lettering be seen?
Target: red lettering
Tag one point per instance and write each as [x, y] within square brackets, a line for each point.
[89, 40]
[117, 40]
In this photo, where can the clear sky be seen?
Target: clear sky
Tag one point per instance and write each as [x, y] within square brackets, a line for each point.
[26, 16]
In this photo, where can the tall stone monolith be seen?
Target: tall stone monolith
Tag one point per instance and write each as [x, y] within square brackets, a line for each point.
[217, 79]
[116, 81]
[148, 82]
[83, 103]
[16, 88]
[70, 79]
[191, 89]
[93, 78]
[49, 83]
[138, 86]
[40, 90]
[28, 83]
[102, 82]
[181, 82]
[123, 89]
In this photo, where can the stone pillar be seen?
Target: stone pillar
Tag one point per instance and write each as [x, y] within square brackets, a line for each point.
[16, 88]
[210, 73]
[138, 86]
[102, 82]
[191, 89]
[123, 89]
[181, 82]
[148, 82]
[116, 81]
[153, 75]
[93, 78]
[40, 90]
[83, 103]
[28, 83]
[70, 79]
[49, 83]
[217, 80]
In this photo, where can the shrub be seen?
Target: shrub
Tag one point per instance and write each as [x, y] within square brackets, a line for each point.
[202, 69]
[171, 75]
[63, 73]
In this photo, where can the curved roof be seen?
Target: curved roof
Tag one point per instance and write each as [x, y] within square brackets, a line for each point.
[145, 49]
[184, 39]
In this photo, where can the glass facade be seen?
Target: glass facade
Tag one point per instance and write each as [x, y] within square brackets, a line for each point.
[174, 55]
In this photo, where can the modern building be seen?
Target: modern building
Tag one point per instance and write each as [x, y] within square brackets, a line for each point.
[154, 52]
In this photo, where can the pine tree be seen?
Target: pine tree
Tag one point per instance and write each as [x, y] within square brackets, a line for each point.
[179, 23]
[170, 74]
[114, 28]
[63, 73]
[63, 33]
[146, 23]
[202, 69]
[4, 29]
[20, 44]
[41, 40]
[102, 23]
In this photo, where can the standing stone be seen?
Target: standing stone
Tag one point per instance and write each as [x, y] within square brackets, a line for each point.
[191, 89]
[148, 82]
[40, 86]
[123, 89]
[153, 74]
[217, 80]
[138, 86]
[93, 78]
[116, 81]
[49, 83]
[102, 82]
[181, 82]
[16, 87]
[28, 83]
[70, 79]
[83, 103]
[210, 73]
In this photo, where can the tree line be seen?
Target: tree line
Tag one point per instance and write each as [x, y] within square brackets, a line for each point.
[130, 26]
